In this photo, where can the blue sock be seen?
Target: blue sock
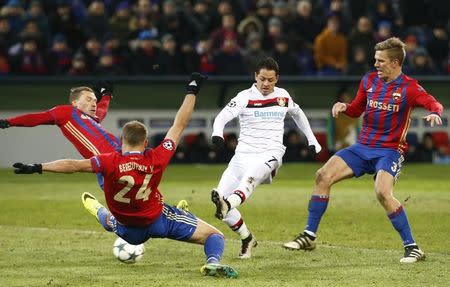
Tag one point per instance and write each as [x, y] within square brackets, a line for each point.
[106, 219]
[214, 246]
[317, 206]
[400, 223]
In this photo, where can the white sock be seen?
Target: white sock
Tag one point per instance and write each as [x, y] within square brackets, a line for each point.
[243, 231]
[310, 233]
[234, 200]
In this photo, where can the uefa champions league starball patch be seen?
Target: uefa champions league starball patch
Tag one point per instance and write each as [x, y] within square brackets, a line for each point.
[168, 145]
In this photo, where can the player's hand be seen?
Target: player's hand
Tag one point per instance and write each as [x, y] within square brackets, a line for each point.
[103, 88]
[338, 108]
[218, 142]
[315, 148]
[21, 168]
[4, 124]
[195, 83]
[433, 119]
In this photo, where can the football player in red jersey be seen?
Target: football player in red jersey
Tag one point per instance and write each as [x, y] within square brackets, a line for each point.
[137, 211]
[386, 97]
[80, 122]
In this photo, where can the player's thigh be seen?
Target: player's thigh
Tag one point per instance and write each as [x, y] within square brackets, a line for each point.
[334, 170]
[390, 161]
[355, 159]
[203, 231]
[232, 175]
[261, 166]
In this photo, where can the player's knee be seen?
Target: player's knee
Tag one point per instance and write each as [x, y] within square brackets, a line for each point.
[213, 230]
[323, 177]
[220, 233]
[382, 194]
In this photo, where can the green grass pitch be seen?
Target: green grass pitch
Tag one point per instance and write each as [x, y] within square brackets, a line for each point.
[48, 239]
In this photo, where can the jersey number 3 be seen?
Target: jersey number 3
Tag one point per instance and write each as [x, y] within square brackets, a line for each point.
[143, 192]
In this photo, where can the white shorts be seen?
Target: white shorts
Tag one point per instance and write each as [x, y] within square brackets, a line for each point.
[262, 167]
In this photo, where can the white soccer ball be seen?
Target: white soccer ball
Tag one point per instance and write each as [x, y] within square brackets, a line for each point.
[126, 252]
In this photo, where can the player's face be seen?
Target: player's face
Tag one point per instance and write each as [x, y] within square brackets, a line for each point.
[266, 81]
[387, 69]
[87, 103]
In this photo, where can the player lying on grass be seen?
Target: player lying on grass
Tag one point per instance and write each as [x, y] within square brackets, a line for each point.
[386, 97]
[137, 211]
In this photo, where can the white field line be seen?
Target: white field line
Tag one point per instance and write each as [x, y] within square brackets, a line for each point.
[235, 241]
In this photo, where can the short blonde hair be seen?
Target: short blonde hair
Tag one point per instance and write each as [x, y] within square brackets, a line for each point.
[75, 92]
[395, 49]
[134, 133]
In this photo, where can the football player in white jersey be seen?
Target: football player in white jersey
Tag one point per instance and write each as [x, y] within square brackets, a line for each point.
[261, 110]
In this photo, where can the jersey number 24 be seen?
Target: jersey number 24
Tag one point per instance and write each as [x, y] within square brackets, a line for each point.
[143, 192]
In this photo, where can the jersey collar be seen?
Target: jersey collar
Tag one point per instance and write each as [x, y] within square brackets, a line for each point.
[133, 152]
[254, 89]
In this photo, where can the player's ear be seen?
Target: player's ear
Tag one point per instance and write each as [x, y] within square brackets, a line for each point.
[256, 75]
[146, 143]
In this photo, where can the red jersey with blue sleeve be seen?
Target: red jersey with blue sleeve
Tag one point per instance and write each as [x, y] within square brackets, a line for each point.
[83, 131]
[131, 182]
[387, 108]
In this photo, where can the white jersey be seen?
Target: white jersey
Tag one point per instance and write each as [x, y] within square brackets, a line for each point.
[261, 119]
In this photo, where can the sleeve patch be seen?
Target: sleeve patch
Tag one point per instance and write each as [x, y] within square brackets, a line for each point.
[232, 104]
[168, 145]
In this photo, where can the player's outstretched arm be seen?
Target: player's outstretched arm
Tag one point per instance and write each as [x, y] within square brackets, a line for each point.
[338, 108]
[58, 166]
[184, 113]
[28, 120]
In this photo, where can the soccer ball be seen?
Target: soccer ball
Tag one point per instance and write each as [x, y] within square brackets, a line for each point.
[126, 252]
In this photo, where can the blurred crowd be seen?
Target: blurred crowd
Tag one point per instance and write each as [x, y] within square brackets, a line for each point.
[217, 37]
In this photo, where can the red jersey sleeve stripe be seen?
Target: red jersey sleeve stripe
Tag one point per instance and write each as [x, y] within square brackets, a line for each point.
[81, 138]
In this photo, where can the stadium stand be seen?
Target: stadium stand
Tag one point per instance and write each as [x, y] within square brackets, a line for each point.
[175, 37]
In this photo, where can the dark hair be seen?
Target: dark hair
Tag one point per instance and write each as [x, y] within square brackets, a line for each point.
[268, 64]
[75, 93]
[134, 133]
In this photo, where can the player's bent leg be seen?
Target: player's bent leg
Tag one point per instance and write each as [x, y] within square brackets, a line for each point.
[236, 223]
[334, 170]
[384, 183]
[91, 203]
[202, 232]
[214, 242]
[101, 213]
[256, 174]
